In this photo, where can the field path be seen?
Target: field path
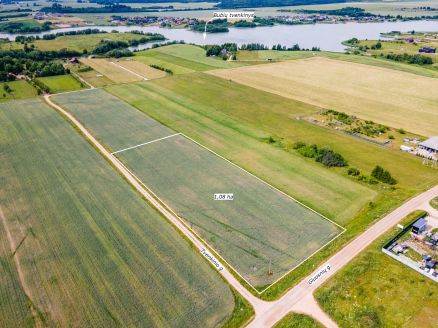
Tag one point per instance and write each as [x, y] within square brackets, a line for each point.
[128, 70]
[298, 299]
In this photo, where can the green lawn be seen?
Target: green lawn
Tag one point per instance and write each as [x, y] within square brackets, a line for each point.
[186, 176]
[375, 290]
[20, 90]
[61, 83]
[434, 203]
[182, 59]
[297, 320]
[91, 250]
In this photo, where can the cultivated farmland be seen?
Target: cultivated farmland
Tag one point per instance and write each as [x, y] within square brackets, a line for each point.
[389, 97]
[83, 246]
[260, 226]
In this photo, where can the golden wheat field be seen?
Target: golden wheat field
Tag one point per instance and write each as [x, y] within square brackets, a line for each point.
[393, 98]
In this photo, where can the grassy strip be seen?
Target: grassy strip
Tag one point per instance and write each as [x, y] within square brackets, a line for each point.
[298, 320]
[434, 203]
[374, 290]
[242, 314]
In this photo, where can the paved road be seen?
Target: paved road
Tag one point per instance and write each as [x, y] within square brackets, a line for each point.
[298, 299]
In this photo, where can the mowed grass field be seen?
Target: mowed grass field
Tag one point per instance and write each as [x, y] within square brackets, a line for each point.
[142, 69]
[182, 59]
[90, 251]
[91, 76]
[111, 71]
[20, 90]
[259, 226]
[61, 83]
[389, 97]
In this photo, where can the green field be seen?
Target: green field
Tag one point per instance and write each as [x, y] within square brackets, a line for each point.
[20, 90]
[434, 203]
[73, 42]
[232, 121]
[264, 55]
[399, 47]
[182, 59]
[236, 121]
[61, 83]
[375, 290]
[297, 320]
[90, 249]
[260, 225]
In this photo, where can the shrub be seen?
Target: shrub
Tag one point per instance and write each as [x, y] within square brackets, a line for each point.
[298, 145]
[308, 151]
[353, 171]
[383, 175]
[329, 158]
[401, 131]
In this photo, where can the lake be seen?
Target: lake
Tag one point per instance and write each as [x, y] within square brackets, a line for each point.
[328, 37]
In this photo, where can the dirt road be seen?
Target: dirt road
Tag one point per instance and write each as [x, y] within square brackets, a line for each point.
[298, 299]
[255, 302]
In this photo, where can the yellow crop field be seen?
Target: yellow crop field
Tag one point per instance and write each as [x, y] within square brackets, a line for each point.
[393, 98]
[112, 70]
[142, 69]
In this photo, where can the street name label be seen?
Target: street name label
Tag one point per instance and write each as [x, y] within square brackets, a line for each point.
[223, 196]
[212, 259]
[320, 273]
[233, 15]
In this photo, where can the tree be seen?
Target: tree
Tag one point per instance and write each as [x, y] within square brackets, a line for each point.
[383, 175]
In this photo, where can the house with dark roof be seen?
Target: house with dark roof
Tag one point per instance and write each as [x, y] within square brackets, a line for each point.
[419, 226]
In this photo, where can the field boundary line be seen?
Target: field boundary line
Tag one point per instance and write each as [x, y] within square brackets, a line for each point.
[265, 182]
[343, 230]
[169, 208]
[146, 143]
[128, 70]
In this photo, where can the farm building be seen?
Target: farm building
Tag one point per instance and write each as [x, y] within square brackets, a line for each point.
[419, 226]
[431, 145]
[427, 50]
